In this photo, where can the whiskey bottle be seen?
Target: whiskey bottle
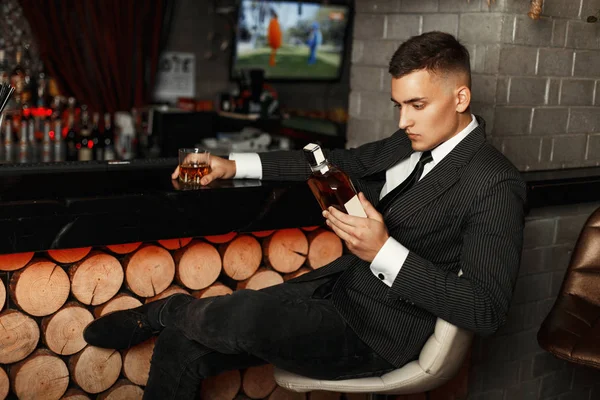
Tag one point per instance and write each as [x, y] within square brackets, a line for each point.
[330, 185]
[97, 140]
[109, 139]
[46, 143]
[84, 140]
[71, 139]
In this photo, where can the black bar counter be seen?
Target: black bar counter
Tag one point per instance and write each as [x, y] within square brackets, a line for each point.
[44, 209]
[58, 207]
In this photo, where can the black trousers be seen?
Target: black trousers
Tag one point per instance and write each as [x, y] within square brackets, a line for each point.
[293, 326]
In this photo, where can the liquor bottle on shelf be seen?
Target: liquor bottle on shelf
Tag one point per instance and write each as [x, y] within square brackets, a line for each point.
[84, 143]
[46, 142]
[4, 77]
[71, 139]
[7, 140]
[27, 95]
[330, 185]
[97, 138]
[42, 92]
[69, 111]
[24, 142]
[58, 142]
[34, 151]
[109, 139]
[17, 78]
[56, 108]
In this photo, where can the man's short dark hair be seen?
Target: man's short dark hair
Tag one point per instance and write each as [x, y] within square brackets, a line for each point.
[436, 52]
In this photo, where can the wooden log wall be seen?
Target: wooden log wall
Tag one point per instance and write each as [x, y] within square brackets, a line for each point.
[47, 299]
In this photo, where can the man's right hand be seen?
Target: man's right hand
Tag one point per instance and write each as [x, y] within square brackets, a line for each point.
[220, 169]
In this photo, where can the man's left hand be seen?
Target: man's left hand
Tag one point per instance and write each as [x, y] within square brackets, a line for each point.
[364, 237]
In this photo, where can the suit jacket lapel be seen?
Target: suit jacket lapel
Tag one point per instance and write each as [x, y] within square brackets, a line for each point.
[402, 149]
[440, 179]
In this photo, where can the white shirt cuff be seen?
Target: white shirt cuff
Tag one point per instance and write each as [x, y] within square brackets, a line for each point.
[247, 165]
[389, 260]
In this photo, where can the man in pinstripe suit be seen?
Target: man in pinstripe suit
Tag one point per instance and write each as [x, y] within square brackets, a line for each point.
[371, 310]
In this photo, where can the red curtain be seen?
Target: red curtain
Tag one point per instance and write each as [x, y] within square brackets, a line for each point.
[104, 53]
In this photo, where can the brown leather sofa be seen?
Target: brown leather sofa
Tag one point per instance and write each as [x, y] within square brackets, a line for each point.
[571, 330]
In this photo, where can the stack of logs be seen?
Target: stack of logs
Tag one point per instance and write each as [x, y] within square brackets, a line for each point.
[53, 295]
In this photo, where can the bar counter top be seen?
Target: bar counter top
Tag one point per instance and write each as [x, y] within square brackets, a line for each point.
[91, 208]
[42, 209]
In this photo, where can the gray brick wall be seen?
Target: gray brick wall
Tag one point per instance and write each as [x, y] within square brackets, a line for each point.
[535, 81]
[510, 365]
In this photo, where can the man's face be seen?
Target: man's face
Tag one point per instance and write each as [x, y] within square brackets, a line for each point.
[429, 107]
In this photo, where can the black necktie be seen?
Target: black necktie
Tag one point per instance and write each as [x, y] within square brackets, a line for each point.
[413, 178]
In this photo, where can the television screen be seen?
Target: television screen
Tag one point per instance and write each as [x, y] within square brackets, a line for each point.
[291, 40]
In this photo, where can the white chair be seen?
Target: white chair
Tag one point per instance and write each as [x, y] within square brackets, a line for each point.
[439, 360]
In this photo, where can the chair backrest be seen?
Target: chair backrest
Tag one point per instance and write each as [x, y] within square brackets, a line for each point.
[582, 278]
[444, 352]
[570, 329]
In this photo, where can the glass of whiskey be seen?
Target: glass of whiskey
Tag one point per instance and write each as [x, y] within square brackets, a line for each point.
[194, 163]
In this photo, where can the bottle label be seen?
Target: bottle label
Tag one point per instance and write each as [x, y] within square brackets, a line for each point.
[85, 154]
[353, 207]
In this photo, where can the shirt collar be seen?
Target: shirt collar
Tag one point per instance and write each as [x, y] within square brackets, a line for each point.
[445, 148]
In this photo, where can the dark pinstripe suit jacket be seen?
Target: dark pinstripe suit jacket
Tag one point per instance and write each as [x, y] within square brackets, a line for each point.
[467, 213]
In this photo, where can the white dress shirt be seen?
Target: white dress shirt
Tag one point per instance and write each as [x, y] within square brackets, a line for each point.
[389, 260]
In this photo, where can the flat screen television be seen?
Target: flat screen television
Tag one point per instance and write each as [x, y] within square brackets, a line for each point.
[291, 41]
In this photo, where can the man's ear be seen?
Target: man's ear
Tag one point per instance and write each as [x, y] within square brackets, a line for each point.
[463, 99]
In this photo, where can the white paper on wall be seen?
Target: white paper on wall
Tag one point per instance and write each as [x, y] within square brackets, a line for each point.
[176, 76]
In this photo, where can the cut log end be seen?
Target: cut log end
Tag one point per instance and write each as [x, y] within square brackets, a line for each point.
[258, 382]
[68, 256]
[263, 234]
[122, 390]
[63, 331]
[121, 301]
[241, 257]
[323, 247]
[96, 278]
[13, 262]
[75, 394]
[149, 271]
[174, 244]
[41, 376]
[171, 290]
[221, 387]
[124, 248]
[216, 289]
[136, 362]
[285, 251]
[2, 295]
[218, 239]
[19, 336]
[310, 228]
[94, 369]
[4, 384]
[198, 265]
[261, 279]
[41, 288]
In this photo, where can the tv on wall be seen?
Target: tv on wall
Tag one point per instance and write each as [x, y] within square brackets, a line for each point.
[291, 40]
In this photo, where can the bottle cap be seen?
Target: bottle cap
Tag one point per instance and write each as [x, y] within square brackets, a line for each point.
[314, 154]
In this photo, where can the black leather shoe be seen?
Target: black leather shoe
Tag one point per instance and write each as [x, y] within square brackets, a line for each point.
[123, 329]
